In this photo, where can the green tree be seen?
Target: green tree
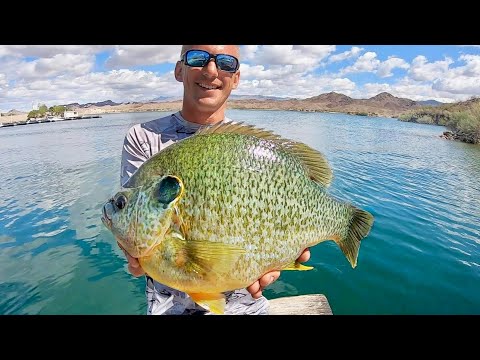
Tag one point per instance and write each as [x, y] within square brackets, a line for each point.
[32, 114]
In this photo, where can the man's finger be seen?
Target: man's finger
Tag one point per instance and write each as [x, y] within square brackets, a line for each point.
[269, 278]
[305, 256]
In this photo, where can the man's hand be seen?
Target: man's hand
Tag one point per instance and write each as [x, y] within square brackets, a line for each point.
[257, 287]
[133, 264]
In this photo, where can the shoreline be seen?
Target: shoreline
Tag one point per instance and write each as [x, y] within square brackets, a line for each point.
[123, 108]
[176, 106]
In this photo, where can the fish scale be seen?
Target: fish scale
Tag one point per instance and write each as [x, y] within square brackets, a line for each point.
[250, 202]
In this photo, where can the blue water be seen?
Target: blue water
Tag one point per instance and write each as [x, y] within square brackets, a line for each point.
[421, 257]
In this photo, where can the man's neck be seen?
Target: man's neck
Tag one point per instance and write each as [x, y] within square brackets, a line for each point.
[204, 118]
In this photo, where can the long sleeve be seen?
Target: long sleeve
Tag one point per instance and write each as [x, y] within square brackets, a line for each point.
[133, 155]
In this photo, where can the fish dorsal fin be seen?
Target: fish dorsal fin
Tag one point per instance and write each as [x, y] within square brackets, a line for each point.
[315, 163]
[239, 128]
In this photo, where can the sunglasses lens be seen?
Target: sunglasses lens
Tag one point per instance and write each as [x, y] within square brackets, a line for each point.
[227, 63]
[199, 58]
[196, 58]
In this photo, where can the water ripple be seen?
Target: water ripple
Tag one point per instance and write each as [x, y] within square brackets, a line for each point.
[56, 257]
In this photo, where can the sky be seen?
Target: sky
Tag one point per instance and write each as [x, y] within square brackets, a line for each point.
[63, 74]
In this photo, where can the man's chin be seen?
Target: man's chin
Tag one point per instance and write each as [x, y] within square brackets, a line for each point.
[210, 102]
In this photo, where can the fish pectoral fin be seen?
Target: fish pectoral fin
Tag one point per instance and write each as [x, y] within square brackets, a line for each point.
[212, 302]
[298, 266]
[209, 256]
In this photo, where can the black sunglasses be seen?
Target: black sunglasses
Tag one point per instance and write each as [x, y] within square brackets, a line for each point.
[200, 58]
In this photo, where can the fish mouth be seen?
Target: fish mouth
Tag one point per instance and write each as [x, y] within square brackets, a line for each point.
[107, 211]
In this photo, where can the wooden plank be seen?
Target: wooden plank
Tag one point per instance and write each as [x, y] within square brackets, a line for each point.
[314, 304]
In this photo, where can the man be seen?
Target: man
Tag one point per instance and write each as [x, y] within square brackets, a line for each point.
[209, 73]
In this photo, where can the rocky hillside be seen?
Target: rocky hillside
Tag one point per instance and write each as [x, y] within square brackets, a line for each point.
[383, 104]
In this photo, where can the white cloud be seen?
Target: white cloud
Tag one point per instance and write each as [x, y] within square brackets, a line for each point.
[62, 74]
[247, 52]
[385, 68]
[472, 67]
[115, 85]
[296, 86]
[422, 70]
[352, 53]
[410, 89]
[57, 65]
[3, 81]
[135, 55]
[305, 56]
[459, 85]
[260, 72]
[367, 62]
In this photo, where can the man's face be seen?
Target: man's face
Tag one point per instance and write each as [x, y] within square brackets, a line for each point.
[207, 88]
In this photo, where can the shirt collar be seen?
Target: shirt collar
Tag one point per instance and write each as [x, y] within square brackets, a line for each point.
[185, 126]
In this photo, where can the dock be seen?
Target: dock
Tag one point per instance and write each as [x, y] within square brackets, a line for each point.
[46, 120]
[314, 304]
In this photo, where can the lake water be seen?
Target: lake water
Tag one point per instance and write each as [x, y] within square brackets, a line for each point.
[421, 257]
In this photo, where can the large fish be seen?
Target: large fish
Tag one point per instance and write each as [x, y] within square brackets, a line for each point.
[215, 211]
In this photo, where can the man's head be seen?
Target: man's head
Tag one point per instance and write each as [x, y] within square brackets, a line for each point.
[207, 88]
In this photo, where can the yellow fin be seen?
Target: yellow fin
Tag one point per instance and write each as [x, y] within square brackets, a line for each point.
[315, 164]
[202, 256]
[212, 302]
[298, 266]
[213, 256]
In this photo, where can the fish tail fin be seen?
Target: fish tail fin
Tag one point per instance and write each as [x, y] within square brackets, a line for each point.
[360, 226]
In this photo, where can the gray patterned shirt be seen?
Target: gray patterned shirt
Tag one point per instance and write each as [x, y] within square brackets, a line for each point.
[141, 142]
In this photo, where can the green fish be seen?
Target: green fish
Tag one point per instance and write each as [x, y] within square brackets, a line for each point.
[215, 211]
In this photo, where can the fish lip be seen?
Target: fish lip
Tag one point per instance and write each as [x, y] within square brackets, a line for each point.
[105, 219]
[107, 222]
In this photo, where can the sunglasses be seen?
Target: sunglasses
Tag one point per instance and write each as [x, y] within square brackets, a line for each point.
[200, 58]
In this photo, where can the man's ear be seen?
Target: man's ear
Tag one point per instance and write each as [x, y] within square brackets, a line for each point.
[179, 71]
[236, 79]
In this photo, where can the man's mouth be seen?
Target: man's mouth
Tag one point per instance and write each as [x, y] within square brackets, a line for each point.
[208, 87]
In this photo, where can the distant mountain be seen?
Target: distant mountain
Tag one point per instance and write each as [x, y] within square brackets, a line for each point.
[383, 104]
[331, 99]
[166, 98]
[89, 105]
[388, 101]
[430, 103]
[14, 112]
[257, 97]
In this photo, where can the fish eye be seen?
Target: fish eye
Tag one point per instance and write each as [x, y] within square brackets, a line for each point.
[169, 189]
[120, 201]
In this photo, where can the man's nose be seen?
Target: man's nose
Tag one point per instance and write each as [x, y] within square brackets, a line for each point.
[210, 69]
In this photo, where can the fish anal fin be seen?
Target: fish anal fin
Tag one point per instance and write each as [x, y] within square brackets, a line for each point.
[212, 302]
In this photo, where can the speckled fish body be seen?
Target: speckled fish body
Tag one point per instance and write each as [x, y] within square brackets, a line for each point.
[217, 210]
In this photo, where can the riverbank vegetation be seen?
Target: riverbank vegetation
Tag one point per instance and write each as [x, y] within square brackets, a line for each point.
[43, 111]
[462, 119]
